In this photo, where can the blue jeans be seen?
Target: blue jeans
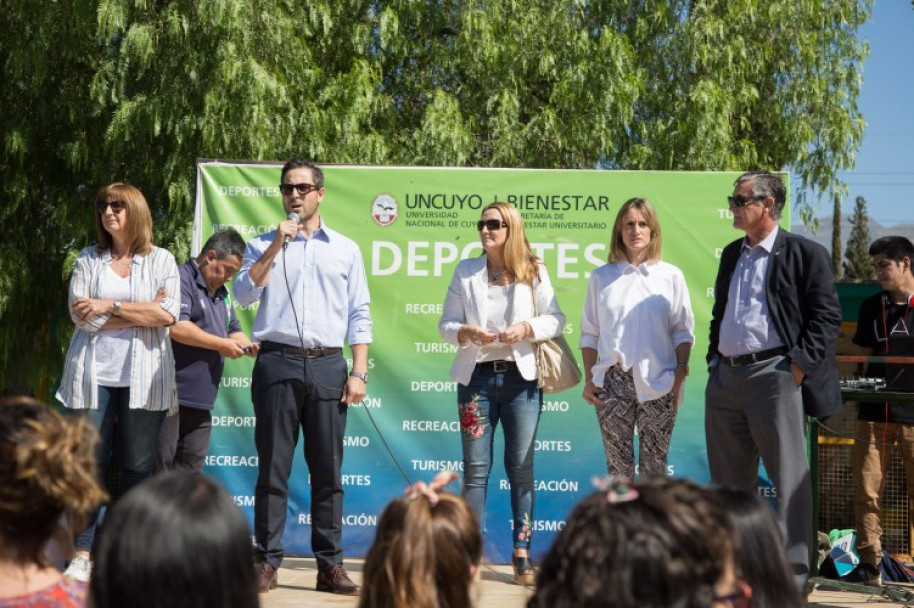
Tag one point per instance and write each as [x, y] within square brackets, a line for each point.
[491, 397]
[137, 435]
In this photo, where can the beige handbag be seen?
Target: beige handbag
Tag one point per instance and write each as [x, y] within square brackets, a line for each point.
[556, 367]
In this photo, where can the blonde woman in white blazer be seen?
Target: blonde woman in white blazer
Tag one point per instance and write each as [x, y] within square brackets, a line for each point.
[489, 313]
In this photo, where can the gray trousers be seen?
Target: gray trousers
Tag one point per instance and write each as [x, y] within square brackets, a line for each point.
[757, 410]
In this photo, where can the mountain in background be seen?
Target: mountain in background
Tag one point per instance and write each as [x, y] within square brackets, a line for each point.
[823, 234]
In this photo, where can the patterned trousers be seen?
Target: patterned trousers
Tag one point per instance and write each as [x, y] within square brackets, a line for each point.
[618, 414]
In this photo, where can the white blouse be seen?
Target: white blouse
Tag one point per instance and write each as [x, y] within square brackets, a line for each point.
[636, 316]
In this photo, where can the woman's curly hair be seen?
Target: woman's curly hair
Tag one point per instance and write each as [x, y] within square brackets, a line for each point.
[658, 543]
[47, 470]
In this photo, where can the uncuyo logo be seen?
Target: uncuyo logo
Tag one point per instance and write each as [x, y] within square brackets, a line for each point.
[384, 209]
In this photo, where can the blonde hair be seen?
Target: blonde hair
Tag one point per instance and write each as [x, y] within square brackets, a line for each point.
[47, 469]
[519, 258]
[617, 245]
[423, 555]
[139, 219]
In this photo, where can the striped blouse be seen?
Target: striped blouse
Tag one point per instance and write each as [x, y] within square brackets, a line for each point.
[152, 379]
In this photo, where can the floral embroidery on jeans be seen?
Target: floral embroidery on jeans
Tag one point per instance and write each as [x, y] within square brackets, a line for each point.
[526, 530]
[470, 421]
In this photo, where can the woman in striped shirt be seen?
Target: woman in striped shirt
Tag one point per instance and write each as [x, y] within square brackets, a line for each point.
[119, 371]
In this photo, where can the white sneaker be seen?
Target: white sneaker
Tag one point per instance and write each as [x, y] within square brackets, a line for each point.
[79, 569]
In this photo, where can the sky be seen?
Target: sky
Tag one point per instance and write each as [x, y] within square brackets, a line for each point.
[884, 172]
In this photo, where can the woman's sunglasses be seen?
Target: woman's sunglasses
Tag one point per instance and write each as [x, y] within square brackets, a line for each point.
[492, 225]
[116, 206]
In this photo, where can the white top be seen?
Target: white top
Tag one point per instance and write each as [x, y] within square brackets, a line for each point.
[112, 349]
[636, 317]
[501, 300]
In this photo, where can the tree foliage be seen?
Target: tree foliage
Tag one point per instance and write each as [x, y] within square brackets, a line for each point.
[102, 90]
[858, 265]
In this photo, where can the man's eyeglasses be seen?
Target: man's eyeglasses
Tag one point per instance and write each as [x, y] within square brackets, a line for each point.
[116, 206]
[737, 598]
[303, 188]
[492, 225]
[741, 201]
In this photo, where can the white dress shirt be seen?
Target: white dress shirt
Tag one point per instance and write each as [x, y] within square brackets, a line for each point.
[329, 290]
[636, 316]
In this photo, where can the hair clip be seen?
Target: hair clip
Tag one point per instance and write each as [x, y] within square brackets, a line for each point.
[618, 488]
[430, 491]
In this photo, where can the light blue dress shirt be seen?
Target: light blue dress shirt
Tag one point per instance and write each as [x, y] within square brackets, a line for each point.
[328, 286]
[746, 326]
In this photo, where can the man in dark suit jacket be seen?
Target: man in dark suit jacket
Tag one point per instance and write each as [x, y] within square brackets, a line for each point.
[771, 359]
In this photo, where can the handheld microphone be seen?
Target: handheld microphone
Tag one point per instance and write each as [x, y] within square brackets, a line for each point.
[292, 216]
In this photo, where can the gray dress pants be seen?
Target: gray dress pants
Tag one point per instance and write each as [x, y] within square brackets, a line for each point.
[754, 411]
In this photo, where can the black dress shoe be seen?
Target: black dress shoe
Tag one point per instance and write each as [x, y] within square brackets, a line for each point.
[267, 579]
[335, 580]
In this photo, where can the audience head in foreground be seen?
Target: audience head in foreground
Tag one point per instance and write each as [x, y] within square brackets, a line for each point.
[177, 541]
[47, 471]
[760, 559]
[426, 552]
[658, 543]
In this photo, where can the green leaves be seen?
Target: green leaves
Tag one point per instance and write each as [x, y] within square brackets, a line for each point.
[103, 90]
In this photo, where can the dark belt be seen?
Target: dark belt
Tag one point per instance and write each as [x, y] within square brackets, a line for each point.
[497, 366]
[292, 351]
[762, 355]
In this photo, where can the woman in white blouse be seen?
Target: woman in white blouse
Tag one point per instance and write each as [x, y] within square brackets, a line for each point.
[119, 370]
[636, 338]
[490, 313]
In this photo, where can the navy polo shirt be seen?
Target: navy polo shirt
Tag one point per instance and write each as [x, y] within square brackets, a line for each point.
[199, 370]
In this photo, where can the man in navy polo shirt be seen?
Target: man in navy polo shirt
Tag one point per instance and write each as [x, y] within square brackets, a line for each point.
[206, 332]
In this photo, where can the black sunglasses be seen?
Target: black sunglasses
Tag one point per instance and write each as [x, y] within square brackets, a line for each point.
[492, 225]
[116, 206]
[303, 188]
[741, 201]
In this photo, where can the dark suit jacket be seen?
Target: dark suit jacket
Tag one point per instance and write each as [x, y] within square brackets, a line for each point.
[805, 311]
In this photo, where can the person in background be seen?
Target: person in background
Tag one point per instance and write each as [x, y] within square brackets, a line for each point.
[175, 541]
[657, 543]
[426, 552]
[313, 292]
[207, 331]
[47, 475]
[637, 331]
[884, 327]
[771, 358]
[497, 306]
[759, 549]
[120, 369]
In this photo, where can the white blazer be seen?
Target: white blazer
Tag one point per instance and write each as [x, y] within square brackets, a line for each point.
[467, 302]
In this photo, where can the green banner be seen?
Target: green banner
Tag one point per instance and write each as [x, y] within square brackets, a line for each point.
[413, 225]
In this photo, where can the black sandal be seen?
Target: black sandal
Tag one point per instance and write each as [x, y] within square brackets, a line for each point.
[523, 570]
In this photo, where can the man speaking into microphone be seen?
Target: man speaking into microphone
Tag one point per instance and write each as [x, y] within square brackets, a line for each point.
[311, 284]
